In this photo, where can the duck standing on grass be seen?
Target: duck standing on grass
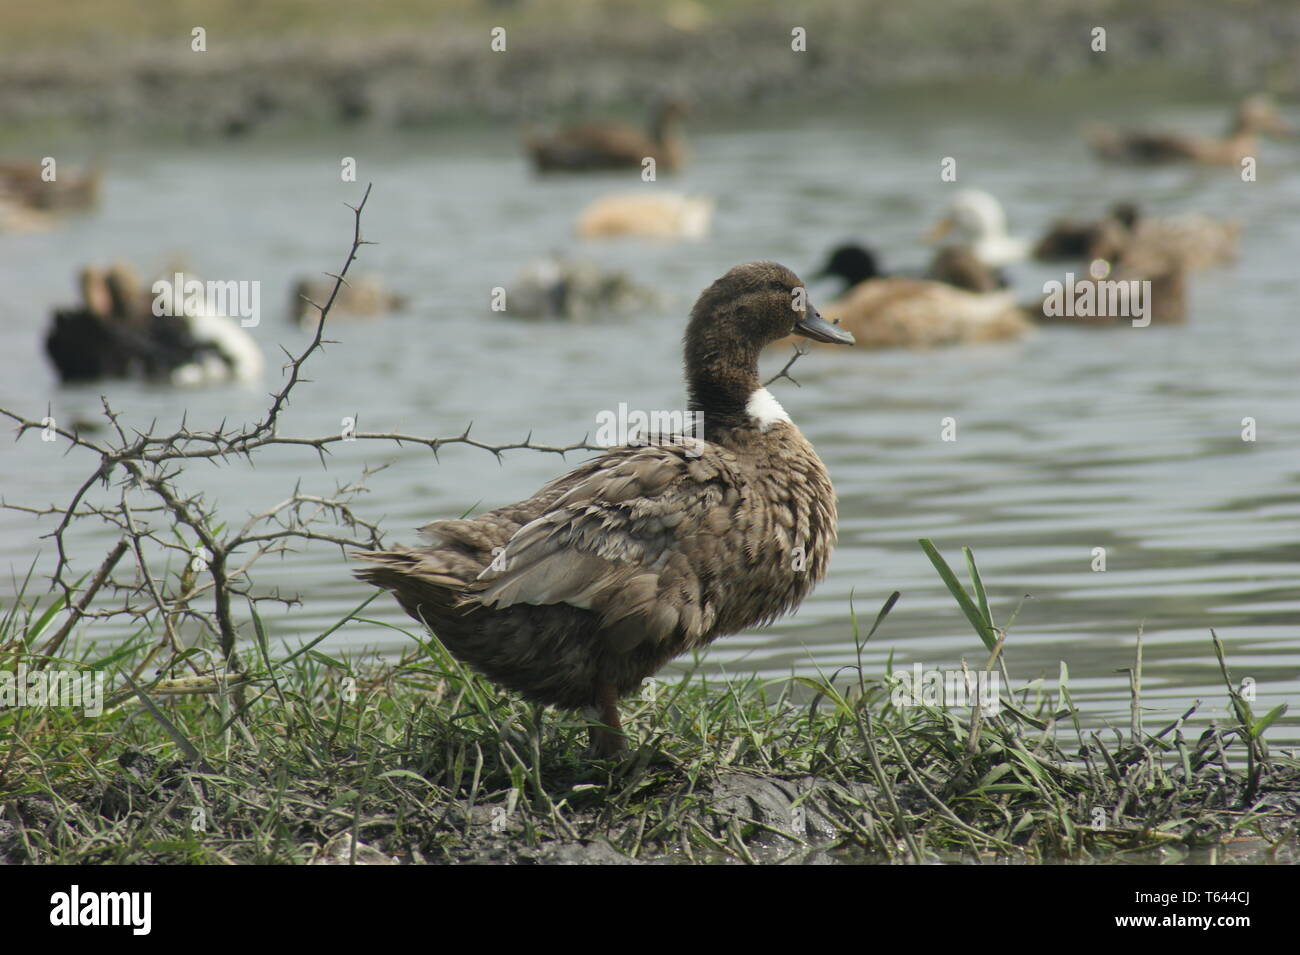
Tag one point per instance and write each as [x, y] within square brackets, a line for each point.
[576, 595]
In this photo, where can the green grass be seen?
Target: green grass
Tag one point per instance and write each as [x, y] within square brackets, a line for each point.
[315, 756]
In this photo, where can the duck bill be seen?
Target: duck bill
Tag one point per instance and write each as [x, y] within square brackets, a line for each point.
[812, 325]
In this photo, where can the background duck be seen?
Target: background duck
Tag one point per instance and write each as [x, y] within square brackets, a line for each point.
[114, 333]
[1191, 241]
[918, 313]
[1083, 239]
[976, 221]
[958, 266]
[1255, 115]
[22, 184]
[649, 215]
[897, 311]
[953, 265]
[577, 290]
[362, 297]
[576, 595]
[851, 263]
[1165, 289]
[602, 146]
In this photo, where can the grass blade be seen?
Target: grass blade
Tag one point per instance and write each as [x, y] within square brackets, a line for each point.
[979, 623]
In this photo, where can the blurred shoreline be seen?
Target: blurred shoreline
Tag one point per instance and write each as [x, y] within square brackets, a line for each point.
[414, 68]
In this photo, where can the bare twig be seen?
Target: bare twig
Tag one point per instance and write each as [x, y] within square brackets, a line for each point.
[799, 352]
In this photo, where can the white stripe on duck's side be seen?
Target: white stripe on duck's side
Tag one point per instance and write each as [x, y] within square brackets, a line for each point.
[765, 409]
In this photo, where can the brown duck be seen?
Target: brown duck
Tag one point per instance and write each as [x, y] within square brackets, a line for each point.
[1191, 241]
[1161, 272]
[601, 146]
[899, 311]
[1256, 114]
[574, 596]
[23, 183]
[1086, 239]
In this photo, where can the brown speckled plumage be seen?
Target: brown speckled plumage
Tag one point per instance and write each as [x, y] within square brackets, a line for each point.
[576, 595]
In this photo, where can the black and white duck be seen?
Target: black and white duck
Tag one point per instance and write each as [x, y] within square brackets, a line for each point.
[574, 596]
[955, 265]
[116, 331]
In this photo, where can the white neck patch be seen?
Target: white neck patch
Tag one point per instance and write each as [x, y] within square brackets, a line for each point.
[765, 409]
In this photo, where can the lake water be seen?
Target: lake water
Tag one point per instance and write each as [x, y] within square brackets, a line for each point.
[1128, 440]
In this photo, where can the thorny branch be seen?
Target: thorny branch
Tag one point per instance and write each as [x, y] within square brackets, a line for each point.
[146, 469]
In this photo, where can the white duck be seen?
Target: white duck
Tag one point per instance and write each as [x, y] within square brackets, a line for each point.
[649, 215]
[976, 221]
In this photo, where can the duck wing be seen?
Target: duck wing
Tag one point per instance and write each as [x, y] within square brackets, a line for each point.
[632, 537]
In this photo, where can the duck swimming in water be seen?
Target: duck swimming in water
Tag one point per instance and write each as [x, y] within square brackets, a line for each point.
[1255, 115]
[900, 311]
[602, 145]
[577, 290]
[976, 221]
[574, 596]
[363, 297]
[117, 330]
[653, 215]
[1190, 241]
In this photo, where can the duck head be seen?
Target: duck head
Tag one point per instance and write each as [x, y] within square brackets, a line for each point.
[972, 215]
[666, 120]
[671, 109]
[851, 262]
[976, 219]
[1126, 213]
[1259, 114]
[733, 320]
[95, 295]
[124, 289]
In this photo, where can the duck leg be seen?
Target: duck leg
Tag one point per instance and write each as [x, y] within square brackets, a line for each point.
[607, 739]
